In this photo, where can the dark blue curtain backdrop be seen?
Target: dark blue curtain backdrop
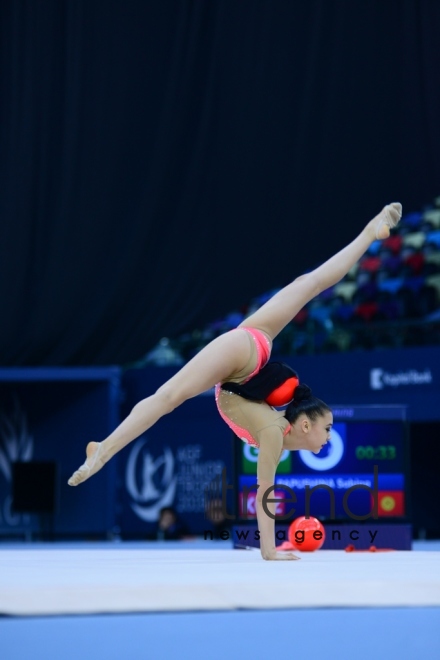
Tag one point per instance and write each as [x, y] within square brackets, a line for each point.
[162, 162]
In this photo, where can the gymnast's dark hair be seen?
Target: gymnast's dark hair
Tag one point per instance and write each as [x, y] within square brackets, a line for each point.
[305, 402]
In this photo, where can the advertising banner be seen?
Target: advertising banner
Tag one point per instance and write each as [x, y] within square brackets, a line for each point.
[409, 377]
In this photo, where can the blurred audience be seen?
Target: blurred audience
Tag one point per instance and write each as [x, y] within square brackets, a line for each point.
[389, 299]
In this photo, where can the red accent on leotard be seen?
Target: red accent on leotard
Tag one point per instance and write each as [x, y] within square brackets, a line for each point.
[283, 394]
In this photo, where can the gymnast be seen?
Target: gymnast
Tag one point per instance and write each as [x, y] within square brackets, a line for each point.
[247, 387]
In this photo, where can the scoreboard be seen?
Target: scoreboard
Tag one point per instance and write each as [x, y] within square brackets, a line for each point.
[361, 474]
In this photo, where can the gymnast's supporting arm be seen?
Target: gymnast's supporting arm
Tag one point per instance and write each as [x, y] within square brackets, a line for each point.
[271, 448]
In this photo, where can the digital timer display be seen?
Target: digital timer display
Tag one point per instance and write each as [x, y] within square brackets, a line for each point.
[381, 453]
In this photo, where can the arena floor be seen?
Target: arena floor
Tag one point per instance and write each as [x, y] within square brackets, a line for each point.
[142, 600]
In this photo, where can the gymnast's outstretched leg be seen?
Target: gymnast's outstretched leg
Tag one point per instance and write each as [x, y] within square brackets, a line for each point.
[231, 352]
[274, 315]
[225, 355]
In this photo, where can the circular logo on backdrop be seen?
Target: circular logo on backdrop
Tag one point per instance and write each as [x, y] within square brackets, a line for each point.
[150, 481]
[251, 453]
[334, 454]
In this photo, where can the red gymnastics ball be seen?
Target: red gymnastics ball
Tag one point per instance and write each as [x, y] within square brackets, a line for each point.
[306, 534]
[283, 394]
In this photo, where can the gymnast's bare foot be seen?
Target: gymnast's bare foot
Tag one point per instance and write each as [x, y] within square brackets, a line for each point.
[94, 462]
[387, 219]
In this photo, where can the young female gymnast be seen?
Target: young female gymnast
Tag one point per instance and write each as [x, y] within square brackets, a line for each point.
[234, 362]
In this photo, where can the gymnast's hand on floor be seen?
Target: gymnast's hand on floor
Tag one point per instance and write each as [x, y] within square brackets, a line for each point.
[276, 556]
[94, 462]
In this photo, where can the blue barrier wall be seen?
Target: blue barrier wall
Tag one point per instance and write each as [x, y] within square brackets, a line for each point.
[50, 415]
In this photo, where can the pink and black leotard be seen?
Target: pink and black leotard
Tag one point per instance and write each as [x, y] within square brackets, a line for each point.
[248, 419]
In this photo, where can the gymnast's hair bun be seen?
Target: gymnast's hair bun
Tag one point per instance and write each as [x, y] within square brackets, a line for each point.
[302, 393]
